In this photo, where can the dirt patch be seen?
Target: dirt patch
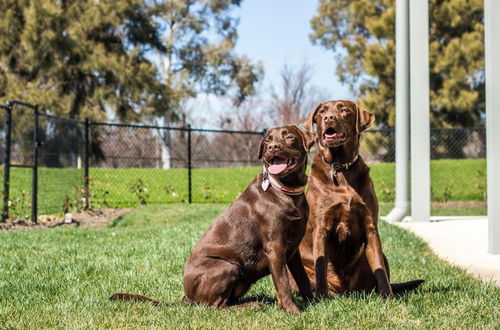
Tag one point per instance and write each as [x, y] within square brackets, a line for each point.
[95, 218]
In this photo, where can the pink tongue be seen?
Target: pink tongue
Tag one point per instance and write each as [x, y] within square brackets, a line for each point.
[278, 165]
[333, 135]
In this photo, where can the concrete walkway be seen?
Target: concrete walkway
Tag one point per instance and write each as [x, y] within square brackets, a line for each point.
[462, 241]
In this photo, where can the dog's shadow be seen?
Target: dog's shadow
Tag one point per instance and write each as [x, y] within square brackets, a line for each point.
[303, 304]
[271, 301]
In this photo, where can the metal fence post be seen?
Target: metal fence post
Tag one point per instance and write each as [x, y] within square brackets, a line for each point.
[86, 139]
[6, 173]
[190, 199]
[34, 194]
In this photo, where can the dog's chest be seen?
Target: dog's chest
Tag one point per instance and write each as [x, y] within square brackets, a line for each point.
[345, 220]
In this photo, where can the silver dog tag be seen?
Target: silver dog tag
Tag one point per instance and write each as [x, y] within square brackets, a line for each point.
[265, 184]
[265, 180]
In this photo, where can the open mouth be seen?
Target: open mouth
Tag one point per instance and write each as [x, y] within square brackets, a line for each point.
[279, 165]
[331, 135]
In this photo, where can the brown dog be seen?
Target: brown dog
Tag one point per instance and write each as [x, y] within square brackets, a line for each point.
[341, 248]
[259, 233]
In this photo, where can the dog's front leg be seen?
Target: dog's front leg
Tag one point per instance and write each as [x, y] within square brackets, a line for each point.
[320, 261]
[299, 275]
[277, 266]
[376, 259]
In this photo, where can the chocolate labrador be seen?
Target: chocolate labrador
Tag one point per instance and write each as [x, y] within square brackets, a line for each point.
[258, 234]
[341, 249]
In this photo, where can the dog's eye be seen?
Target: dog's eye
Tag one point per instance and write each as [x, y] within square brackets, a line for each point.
[322, 111]
[290, 136]
[345, 109]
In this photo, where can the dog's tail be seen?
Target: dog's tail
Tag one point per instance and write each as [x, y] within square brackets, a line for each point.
[398, 288]
[136, 297]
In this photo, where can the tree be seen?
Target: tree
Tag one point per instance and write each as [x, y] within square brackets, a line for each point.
[295, 97]
[80, 58]
[199, 38]
[362, 33]
[90, 58]
[84, 58]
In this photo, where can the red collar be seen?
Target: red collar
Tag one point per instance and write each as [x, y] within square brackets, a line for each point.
[277, 184]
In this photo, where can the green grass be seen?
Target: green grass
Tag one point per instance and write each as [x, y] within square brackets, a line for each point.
[61, 278]
[452, 180]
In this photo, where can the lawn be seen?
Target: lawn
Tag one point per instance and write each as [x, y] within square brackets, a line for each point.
[452, 180]
[61, 278]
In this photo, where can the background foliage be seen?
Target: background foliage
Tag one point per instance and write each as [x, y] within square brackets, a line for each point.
[126, 59]
[361, 33]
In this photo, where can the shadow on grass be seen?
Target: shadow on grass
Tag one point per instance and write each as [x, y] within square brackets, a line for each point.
[268, 300]
[116, 221]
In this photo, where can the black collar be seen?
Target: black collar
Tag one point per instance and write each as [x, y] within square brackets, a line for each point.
[336, 166]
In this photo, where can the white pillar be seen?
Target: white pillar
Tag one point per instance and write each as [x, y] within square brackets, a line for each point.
[419, 101]
[492, 57]
[402, 111]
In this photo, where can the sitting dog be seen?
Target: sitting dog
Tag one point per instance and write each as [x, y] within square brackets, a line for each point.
[341, 248]
[258, 234]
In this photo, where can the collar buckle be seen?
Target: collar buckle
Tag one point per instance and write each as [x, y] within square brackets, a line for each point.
[336, 166]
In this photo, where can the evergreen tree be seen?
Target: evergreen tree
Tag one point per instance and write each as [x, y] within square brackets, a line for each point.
[362, 33]
[84, 58]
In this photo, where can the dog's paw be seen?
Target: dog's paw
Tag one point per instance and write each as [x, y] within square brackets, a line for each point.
[292, 309]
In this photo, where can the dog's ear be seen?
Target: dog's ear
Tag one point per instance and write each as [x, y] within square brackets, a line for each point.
[364, 119]
[261, 146]
[309, 123]
[308, 138]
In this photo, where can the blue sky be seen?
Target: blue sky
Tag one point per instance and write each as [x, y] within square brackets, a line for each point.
[277, 32]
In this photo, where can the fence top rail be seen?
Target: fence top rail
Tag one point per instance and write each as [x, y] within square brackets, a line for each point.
[458, 128]
[185, 129]
[12, 103]
[228, 131]
[391, 129]
[379, 130]
[72, 120]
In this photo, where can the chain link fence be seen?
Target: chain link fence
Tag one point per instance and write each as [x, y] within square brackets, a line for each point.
[132, 164]
[458, 166]
[82, 163]
[60, 164]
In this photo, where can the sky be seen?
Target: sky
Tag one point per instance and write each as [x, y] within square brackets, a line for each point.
[276, 32]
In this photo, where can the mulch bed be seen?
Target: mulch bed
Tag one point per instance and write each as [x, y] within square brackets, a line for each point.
[95, 218]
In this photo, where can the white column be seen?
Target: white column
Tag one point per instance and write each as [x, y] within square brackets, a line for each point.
[492, 57]
[419, 102]
[402, 111]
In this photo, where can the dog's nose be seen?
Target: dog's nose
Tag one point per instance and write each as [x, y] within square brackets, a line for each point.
[328, 118]
[274, 146]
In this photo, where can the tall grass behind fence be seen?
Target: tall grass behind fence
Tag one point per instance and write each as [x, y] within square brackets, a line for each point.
[21, 158]
[463, 180]
[215, 155]
[132, 164]
[61, 160]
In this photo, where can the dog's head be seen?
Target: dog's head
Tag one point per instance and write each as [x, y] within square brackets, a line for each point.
[338, 122]
[284, 150]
